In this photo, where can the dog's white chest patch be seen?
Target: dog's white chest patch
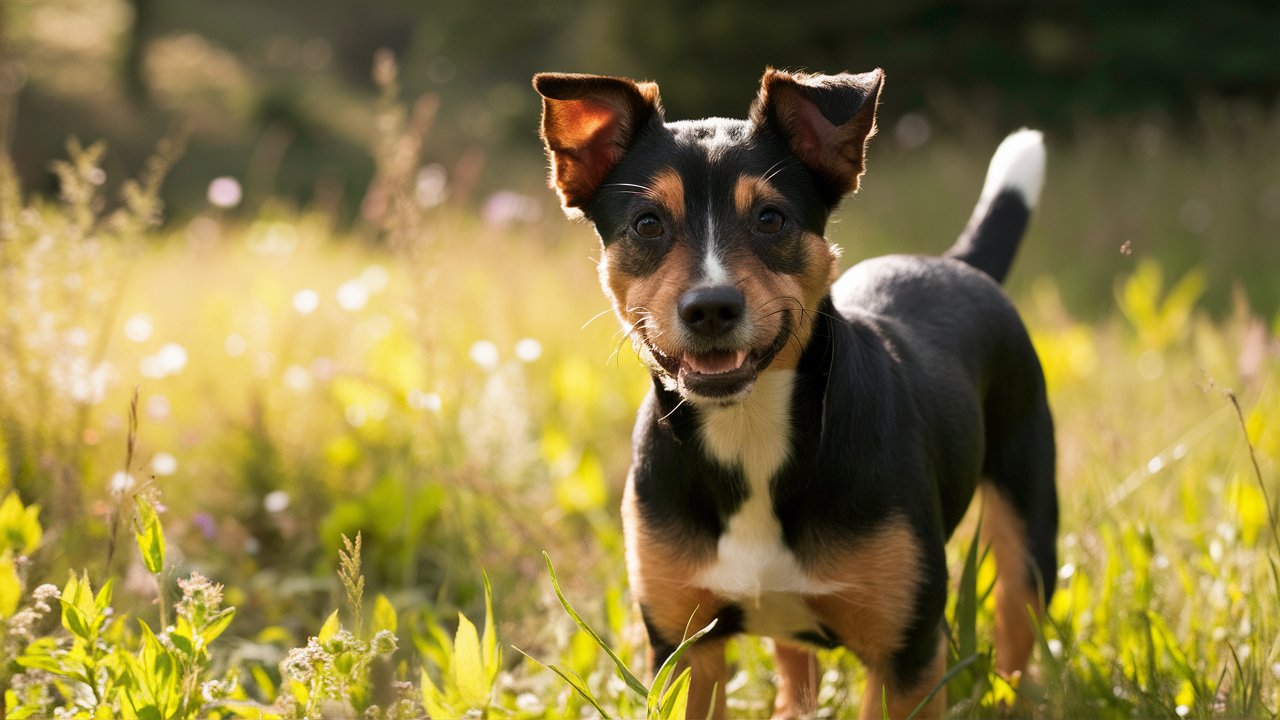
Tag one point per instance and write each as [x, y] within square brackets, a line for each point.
[753, 437]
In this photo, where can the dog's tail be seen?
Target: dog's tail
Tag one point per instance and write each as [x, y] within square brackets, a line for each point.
[1010, 193]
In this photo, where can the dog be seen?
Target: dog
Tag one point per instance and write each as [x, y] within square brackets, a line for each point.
[811, 439]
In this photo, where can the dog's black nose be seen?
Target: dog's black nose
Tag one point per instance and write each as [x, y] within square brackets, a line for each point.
[712, 311]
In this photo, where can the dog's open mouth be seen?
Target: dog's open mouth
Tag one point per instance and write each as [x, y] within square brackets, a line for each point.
[724, 375]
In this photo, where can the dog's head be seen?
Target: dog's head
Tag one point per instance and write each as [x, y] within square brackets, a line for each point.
[712, 230]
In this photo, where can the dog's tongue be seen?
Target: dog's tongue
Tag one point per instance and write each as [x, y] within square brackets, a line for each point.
[715, 363]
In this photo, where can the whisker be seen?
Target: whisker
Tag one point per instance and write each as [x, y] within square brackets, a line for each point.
[594, 318]
[622, 184]
[769, 175]
[674, 409]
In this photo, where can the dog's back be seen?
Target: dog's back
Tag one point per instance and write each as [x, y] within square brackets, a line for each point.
[958, 334]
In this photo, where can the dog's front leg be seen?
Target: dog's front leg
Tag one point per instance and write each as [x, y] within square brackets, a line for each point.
[887, 692]
[707, 678]
[705, 658]
[797, 682]
[661, 568]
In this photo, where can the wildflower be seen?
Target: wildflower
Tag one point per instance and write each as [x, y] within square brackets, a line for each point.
[164, 464]
[225, 192]
[352, 295]
[138, 327]
[300, 664]
[485, 354]
[305, 301]
[200, 599]
[276, 501]
[22, 623]
[215, 690]
[45, 594]
[384, 642]
[528, 350]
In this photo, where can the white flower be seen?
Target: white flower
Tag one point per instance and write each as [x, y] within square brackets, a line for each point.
[225, 192]
[306, 301]
[164, 464]
[485, 354]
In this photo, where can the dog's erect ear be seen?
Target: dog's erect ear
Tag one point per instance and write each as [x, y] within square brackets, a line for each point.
[588, 122]
[825, 119]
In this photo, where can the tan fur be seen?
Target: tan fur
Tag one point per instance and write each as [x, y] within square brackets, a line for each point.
[650, 302]
[797, 682]
[660, 572]
[881, 573]
[751, 190]
[1016, 595]
[667, 189]
[767, 293]
[880, 695]
[708, 677]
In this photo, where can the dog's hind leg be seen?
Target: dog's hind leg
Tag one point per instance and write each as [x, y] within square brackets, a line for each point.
[1020, 521]
[797, 682]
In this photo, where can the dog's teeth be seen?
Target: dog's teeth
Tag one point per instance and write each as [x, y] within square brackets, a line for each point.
[715, 363]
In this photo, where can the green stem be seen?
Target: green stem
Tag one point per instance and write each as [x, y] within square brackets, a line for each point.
[164, 608]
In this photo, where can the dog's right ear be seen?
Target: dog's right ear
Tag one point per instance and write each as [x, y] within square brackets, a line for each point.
[588, 122]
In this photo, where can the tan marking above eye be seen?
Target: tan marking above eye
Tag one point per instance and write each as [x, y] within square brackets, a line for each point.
[750, 190]
[667, 189]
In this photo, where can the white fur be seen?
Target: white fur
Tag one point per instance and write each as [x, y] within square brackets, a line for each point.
[713, 272]
[753, 436]
[1018, 165]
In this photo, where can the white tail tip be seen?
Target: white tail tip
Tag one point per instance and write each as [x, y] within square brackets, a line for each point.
[1018, 165]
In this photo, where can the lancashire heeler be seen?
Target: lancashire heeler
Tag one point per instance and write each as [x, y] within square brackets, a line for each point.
[810, 443]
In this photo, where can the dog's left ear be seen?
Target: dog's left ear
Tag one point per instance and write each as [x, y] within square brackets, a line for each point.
[588, 122]
[826, 120]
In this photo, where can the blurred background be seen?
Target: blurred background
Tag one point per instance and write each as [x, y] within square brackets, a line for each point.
[317, 238]
[279, 96]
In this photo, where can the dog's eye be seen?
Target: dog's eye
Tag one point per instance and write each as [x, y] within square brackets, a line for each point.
[648, 226]
[770, 221]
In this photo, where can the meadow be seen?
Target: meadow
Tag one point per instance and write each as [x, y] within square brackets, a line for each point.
[260, 463]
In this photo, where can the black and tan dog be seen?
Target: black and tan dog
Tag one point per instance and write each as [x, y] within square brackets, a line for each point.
[810, 443]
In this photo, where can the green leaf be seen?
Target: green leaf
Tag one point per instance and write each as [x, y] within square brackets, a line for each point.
[268, 686]
[217, 624]
[627, 676]
[434, 700]
[942, 683]
[183, 637]
[384, 615]
[468, 669]
[75, 621]
[329, 629]
[40, 655]
[84, 599]
[10, 585]
[102, 600]
[492, 654]
[150, 535]
[344, 662]
[966, 617]
[19, 526]
[574, 681]
[654, 696]
[675, 701]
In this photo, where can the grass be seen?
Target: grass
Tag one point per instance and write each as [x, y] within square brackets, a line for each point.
[446, 401]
